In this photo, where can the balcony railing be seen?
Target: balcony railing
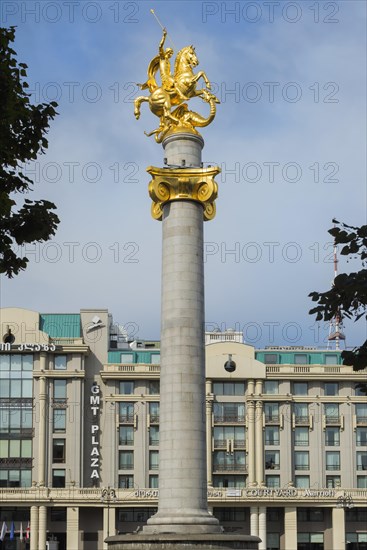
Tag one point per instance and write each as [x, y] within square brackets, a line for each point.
[153, 466]
[222, 443]
[302, 419]
[126, 418]
[229, 418]
[229, 467]
[332, 419]
[272, 418]
[153, 441]
[271, 466]
[361, 466]
[361, 420]
[126, 466]
[333, 466]
[126, 442]
[301, 466]
[272, 442]
[154, 418]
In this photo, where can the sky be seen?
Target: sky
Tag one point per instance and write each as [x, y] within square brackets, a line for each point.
[289, 136]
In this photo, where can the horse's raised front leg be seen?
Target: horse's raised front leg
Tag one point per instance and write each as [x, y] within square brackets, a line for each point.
[202, 74]
[138, 101]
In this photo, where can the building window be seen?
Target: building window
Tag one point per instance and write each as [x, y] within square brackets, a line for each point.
[229, 412]
[331, 388]
[223, 461]
[126, 482]
[154, 412]
[127, 358]
[271, 387]
[126, 460]
[331, 359]
[361, 412]
[272, 481]
[60, 362]
[359, 391]
[301, 436]
[300, 388]
[154, 435]
[301, 413]
[59, 420]
[302, 482]
[356, 515]
[140, 515]
[301, 460]
[153, 482]
[272, 460]
[300, 359]
[58, 514]
[126, 387]
[153, 460]
[154, 388]
[274, 514]
[333, 482]
[224, 433]
[271, 435]
[356, 541]
[58, 450]
[270, 358]
[15, 478]
[228, 481]
[229, 388]
[229, 514]
[58, 478]
[155, 358]
[332, 460]
[331, 413]
[310, 514]
[271, 411]
[306, 541]
[126, 435]
[361, 437]
[59, 389]
[362, 482]
[273, 541]
[332, 437]
[361, 460]
[126, 412]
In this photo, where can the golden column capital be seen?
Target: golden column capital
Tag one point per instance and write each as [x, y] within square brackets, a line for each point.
[174, 184]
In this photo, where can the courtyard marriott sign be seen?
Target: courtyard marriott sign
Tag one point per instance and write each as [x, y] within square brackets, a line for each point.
[291, 492]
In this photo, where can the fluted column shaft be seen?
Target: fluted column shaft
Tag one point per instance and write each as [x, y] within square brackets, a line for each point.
[34, 528]
[42, 528]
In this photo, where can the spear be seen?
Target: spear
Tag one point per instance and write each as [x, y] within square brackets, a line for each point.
[162, 27]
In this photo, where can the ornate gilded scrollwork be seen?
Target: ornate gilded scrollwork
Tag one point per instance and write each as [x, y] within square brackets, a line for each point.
[196, 184]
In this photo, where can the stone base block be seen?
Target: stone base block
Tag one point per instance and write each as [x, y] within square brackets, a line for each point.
[183, 542]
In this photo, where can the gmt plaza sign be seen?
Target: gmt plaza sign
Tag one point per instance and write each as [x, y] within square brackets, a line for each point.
[94, 401]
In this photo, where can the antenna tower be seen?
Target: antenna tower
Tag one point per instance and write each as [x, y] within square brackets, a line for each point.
[336, 323]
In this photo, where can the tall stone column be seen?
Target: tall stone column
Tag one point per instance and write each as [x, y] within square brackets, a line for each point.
[182, 431]
[251, 443]
[42, 422]
[209, 450]
[290, 528]
[34, 528]
[42, 527]
[254, 521]
[259, 438]
[262, 527]
[338, 524]
[72, 527]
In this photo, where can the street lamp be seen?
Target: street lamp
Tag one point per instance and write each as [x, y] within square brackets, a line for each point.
[108, 494]
[345, 501]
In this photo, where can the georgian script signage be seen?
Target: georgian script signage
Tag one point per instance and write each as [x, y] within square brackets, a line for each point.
[94, 401]
[291, 492]
[27, 347]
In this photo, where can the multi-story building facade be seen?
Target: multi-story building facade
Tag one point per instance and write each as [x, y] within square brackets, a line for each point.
[79, 426]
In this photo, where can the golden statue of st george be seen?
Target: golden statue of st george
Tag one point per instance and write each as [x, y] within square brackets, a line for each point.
[167, 101]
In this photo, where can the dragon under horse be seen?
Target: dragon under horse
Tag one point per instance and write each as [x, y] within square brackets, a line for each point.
[167, 101]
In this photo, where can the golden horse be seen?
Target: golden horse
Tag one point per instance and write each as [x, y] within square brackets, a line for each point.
[161, 100]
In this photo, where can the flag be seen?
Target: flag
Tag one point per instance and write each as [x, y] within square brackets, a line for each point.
[12, 531]
[4, 529]
[27, 531]
[21, 531]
